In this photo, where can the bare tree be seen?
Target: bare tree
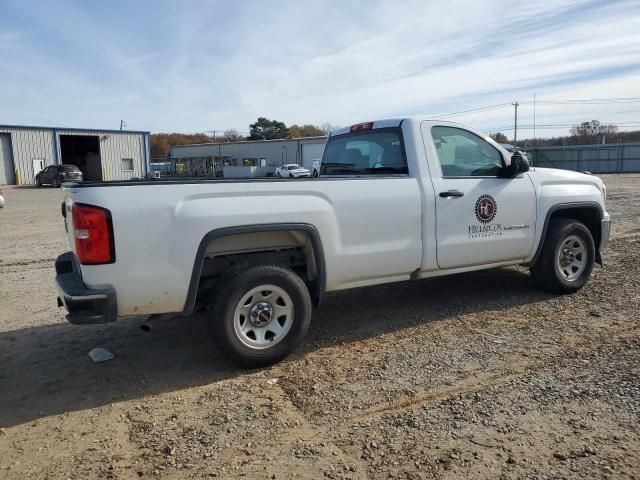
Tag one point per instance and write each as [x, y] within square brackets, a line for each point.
[499, 137]
[301, 131]
[591, 132]
[232, 135]
[327, 128]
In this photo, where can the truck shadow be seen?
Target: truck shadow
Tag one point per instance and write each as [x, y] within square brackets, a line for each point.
[46, 371]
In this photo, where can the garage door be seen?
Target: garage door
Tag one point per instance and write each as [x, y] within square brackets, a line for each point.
[311, 152]
[7, 172]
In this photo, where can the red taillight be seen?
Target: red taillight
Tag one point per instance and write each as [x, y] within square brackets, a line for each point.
[361, 126]
[93, 232]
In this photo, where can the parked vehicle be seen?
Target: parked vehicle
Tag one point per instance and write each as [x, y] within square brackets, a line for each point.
[315, 168]
[396, 200]
[55, 175]
[292, 170]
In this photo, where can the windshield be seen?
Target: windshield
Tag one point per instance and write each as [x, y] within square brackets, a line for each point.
[371, 152]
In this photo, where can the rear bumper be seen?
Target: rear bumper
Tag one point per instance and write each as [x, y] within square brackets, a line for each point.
[86, 306]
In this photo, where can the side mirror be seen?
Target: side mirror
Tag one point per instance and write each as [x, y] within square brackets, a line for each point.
[519, 164]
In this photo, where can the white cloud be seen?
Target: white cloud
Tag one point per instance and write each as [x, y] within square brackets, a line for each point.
[202, 66]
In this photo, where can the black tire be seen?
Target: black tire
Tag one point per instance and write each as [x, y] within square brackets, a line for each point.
[234, 286]
[54, 183]
[38, 182]
[315, 174]
[547, 272]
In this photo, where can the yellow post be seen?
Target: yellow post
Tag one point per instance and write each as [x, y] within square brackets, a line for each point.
[104, 174]
[18, 177]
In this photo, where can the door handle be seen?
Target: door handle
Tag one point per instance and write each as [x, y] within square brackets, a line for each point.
[451, 193]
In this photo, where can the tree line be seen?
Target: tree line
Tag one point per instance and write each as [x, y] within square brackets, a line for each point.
[261, 129]
[584, 133]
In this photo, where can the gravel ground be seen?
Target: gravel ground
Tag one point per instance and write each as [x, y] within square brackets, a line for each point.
[476, 375]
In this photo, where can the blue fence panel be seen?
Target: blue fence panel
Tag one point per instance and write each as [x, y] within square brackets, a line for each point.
[615, 158]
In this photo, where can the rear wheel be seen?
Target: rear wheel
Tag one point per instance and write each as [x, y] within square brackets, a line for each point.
[38, 182]
[567, 257]
[260, 315]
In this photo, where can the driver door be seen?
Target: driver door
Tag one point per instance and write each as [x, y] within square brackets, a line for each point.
[480, 217]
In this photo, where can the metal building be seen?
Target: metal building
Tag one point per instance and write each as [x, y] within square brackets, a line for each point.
[256, 158]
[101, 155]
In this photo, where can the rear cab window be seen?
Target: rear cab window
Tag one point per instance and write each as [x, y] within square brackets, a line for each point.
[69, 168]
[378, 151]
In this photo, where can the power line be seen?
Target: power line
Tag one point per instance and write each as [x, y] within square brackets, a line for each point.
[479, 109]
[548, 126]
[588, 101]
[585, 101]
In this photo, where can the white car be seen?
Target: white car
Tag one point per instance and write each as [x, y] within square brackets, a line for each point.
[292, 170]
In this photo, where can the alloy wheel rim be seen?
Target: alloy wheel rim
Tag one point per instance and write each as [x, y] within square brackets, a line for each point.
[571, 260]
[263, 317]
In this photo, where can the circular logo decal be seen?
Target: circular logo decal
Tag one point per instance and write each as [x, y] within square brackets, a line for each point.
[486, 208]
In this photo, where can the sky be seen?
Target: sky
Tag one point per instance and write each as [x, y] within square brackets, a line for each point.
[197, 66]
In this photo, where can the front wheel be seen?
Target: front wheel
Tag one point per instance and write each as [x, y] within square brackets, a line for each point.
[567, 257]
[260, 315]
[38, 182]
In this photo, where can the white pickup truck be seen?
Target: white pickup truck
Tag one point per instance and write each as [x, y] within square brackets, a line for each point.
[396, 200]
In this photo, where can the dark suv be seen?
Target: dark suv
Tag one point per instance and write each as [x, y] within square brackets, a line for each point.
[56, 174]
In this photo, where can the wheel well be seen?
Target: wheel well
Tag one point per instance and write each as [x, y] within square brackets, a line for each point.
[588, 215]
[297, 248]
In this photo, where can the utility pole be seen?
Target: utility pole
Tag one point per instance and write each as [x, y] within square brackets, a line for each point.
[123, 124]
[214, 133]
[515, 126]
[534, 120]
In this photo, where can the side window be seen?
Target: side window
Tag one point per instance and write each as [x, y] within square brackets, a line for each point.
[127, 164]
[464, 154]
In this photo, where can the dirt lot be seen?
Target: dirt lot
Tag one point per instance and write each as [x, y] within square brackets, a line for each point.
[478, 375]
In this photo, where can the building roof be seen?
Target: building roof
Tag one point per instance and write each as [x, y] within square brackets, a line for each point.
[323, 138]
[70, 129]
